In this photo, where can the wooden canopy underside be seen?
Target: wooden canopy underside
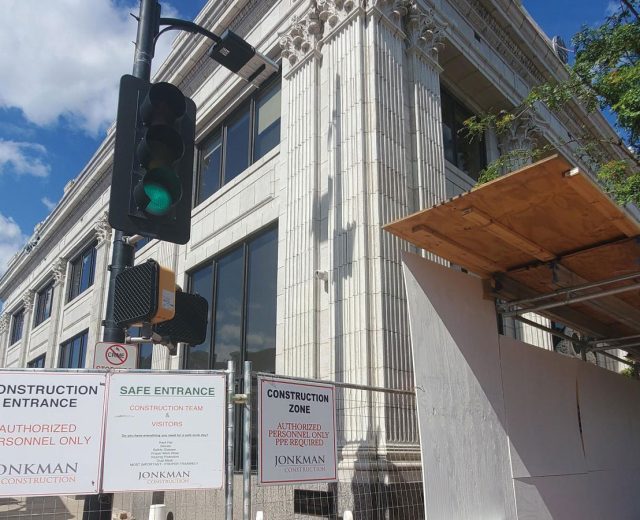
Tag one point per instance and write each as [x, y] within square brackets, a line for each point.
[538, 231]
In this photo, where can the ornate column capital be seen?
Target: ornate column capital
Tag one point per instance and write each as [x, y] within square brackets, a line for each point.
[5, 319]
[521, 134]
[424, 31]
[333, 12]
[301, 38]
[103, 229]
[27, 300]
[59, 270]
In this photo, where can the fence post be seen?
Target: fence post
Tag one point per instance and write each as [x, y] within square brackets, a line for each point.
[246, 447]
[231, 383]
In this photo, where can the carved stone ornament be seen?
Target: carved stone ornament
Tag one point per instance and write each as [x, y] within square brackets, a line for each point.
[333, 12]
[103, 229]
[302, 37]
[27, 300]
[393, 9]
[4, 323]
[521, 135]
[424, 31]
[59, 270]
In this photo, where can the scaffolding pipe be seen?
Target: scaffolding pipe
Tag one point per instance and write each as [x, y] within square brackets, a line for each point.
[577, 288]
[577, 299]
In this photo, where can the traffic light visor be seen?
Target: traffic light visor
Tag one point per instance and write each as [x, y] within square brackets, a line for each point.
[163, 104]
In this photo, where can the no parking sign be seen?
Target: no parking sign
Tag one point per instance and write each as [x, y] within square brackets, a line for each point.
[115, 355]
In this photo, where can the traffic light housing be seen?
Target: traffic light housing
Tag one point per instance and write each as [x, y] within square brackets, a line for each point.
[189, 325]
[147, 294]
[144, 293]
[153, 161]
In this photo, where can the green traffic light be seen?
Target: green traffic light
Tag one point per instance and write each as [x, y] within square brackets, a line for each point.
[158, 191]
[159, 199]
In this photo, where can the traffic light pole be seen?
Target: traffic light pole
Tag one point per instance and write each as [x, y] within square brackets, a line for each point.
[123, 252]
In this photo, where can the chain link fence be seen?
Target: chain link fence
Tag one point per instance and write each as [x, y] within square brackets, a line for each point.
[379, 474]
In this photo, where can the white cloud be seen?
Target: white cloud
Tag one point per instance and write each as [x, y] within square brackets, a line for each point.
[66, 58]
[23, 158]
[11, 240]
[48, 203]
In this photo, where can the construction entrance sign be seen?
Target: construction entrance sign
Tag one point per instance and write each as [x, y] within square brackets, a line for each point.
[80, 433]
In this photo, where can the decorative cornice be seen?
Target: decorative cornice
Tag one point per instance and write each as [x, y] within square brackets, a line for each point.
[424, 31]
[103, 229]
[302, 37]
[59, 270]
[27, 300]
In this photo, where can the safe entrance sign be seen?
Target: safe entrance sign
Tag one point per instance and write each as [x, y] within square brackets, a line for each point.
[115, 355]
[51, 427]
[164, 431]
[297, 432]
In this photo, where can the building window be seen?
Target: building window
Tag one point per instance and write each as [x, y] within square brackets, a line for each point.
[82, 272]
[240, 287]
[44, 300]
[37, 362]
[73, 351]
[141, 243]
[468, 155]
[17, 324]
[246, 136]
[145, 350]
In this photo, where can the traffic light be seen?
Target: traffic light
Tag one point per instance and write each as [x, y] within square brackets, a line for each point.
[189, 325]
[153, 161]
[144, 294]
[147, 294]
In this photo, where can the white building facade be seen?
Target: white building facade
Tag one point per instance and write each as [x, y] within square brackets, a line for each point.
[294, 181]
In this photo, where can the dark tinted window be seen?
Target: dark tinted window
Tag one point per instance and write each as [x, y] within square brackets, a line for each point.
[249, 133]
[44, 302]
[240, 286]
[73, 352]
[82, 272]
[469, 156]
[37, 362]
[17, 324]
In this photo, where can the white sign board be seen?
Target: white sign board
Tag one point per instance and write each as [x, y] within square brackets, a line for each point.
[297, 432]
[115, 355]
[164, 431]
[51, 427]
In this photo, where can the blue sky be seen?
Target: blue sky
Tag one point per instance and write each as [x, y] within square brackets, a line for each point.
[61, 64]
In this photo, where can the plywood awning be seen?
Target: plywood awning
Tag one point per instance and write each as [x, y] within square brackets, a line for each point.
[549, 239]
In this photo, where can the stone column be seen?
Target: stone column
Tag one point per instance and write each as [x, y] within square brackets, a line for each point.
[100, 279]
[27, 302]
[425, 35]
[299, 229]
[59, 275]
[5, 320]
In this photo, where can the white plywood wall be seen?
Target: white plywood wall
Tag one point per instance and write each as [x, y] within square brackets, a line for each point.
[509, 430]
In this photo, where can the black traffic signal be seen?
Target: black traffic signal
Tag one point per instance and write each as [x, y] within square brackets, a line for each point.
[144, 293]
[189, 325]
[147, 294]
[153, 161]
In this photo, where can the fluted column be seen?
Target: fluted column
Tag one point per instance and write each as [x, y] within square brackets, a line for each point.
[103, 235]
[27, 303]
[425, 35]
[59, 276]
[299, 231]
[344, 144]
[5, 320]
